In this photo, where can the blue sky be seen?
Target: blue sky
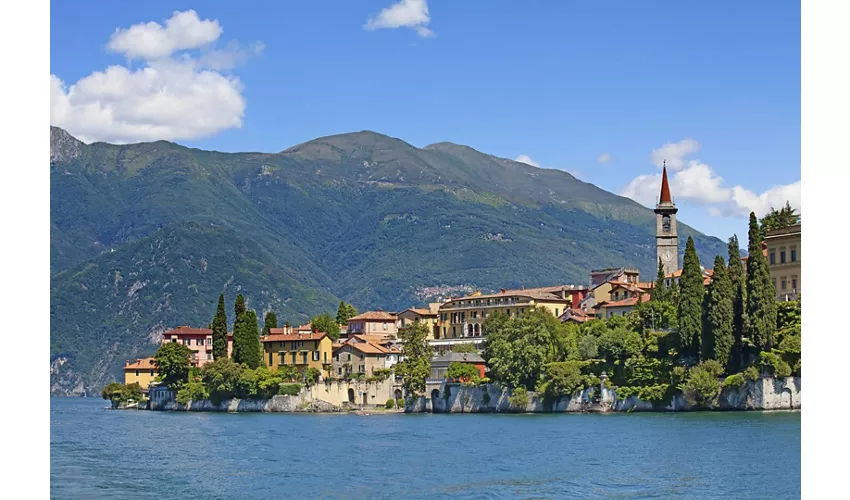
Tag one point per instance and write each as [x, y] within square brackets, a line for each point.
[713, 87]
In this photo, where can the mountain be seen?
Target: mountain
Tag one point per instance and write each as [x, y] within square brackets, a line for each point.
[145, 236]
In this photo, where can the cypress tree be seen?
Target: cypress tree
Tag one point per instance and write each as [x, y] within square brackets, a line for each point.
[659, 292]
[719, 314]
[269, 323]
[344, 312]
[239, 308]
[739, 301]
[761, 294]
[219, 330]
[691, 291]
[246, 340]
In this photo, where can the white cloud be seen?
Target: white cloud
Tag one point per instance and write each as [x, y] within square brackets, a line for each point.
[406, 13]
[604, 158]
[697, 182]
[527, 160]
[674, 153]
[171, 96]
[182, 31]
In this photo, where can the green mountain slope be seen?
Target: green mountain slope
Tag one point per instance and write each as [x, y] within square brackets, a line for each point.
[361, 217]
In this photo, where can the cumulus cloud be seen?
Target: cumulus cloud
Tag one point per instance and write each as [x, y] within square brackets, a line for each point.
[411, 14]
[527, 160]
[604, 158]
[696, 182]
[173, 95]
[674, 153]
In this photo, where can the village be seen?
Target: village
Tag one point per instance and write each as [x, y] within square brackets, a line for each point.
[368, 345]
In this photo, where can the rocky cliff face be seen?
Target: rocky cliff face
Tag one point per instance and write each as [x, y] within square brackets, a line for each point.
[63, 146]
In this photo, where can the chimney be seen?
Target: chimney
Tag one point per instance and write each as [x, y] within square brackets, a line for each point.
[502, 290]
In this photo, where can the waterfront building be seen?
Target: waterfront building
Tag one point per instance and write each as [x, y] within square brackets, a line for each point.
[198, 340]
[373, 322]
[303, 350]
[461, 318]
[359, 357]
[783, 252]
[142, 372]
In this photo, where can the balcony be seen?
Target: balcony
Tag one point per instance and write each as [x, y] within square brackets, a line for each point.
[483, 305]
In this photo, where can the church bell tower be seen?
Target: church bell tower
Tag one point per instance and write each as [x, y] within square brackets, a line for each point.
[666, 237]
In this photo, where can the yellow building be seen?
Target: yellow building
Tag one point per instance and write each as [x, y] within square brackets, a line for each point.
[284, 346]
[462, 317]
[783, 251]
[142, 372]
[428, 316]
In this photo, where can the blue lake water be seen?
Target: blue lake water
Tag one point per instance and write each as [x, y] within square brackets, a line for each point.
[98, 453]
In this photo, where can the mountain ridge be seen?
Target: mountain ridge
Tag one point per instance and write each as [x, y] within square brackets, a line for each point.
[361, 217]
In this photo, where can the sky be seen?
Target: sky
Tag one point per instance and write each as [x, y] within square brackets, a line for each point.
[607, 91]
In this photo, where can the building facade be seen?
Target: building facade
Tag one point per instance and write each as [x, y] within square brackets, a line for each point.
[440, 363]
[303, 350]
[358, 357]
[783, 259]
[142, 372]
[373, 322]
[463, 317]
[429, 317]
[198, 340]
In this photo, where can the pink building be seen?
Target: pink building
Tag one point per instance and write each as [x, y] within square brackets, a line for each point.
[198, 340]
[373, 323]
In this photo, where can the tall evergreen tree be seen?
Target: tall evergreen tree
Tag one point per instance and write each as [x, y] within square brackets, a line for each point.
[246, 340]
[738, 278]
[269, 323]
[659, 292]
[691, 291]
[344, 312]
[239, 308]
[761, 294]
[219, 330]
[719, 314]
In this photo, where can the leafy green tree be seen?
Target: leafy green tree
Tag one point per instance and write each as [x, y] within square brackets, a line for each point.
[219, 330]
[659, 292]
[562, 379]
[219, 377]
[493, 323]
[270, 321]
[739, 301]
[691, 291]
[462, 372]
[718, 338]
[619, 344]
[761, 294]
[311, 376]
[656, 315]
[246, 340]
[172, 364]
[325, 323]
[416, 367]
[192, 391]
[467, 348]
[519, 398]
[702, 388]
[268, 382]
[587, 347]
[112, 391]
[779, 219]
[344, 312]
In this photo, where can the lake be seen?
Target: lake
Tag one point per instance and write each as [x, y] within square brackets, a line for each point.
[98, 453]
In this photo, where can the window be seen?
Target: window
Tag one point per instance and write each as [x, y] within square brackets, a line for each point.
[271, 359]
[385, 326]
[316, 355]
[326, 357]
[783, 282]
[209, 356]
[282, 358]
[186, 342]
[349, 357]
[137, 373]
[782, 256]
[362, 369]
[304, 358]
[339, 371]
[362, 356]
[292, 348]
[209, 340]
[794, 283]
[772, 258]
[173, 341]
[300, 343]
[454, 332]
[556, 312]
[793, 254]
[293, 358]
[199, 342]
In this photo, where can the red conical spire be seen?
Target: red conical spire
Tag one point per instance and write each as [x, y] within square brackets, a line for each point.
[665, 188]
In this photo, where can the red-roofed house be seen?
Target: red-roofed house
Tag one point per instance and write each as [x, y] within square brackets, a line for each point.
[373, 322]
[303, 350]
[198, 340]
[607, 310]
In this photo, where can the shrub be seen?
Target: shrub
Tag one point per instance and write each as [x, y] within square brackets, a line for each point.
[751, 374]
[774, 365]
[382, 374]
[702, 388]
[798, 367]
[713, 366]
[112, 391]
[311, 376]
[389, 404]
[399, 402]
[519, 398]
[192, 391]
[461, 372]
[587, 347]
[289, 389]
[734, 381]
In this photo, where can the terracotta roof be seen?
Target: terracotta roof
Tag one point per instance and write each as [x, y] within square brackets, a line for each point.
[631, 301]
[421, 312]
[665, 187]
[188, 330]
[373, 316]
[141, 364]
[540, 293]
[628, 286]
[646, 285]
[366, 337]
[577, 315]
[277, 335]
[365, 347]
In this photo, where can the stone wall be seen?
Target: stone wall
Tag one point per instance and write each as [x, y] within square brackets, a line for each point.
[322, 397]
[763, 394]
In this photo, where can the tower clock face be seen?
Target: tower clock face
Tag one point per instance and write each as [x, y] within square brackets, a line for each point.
[667, 255]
